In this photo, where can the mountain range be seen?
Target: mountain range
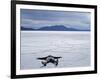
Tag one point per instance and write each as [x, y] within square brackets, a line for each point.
[52, 28]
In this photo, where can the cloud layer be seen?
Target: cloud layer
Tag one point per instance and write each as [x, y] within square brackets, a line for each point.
[40, 18]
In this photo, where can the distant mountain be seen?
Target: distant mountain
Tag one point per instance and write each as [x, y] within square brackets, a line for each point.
[53, 28]
[57, 28]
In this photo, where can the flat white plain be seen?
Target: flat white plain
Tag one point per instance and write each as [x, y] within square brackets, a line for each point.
[72, 46]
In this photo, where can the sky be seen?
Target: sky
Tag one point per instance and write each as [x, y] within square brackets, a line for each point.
[31, 18]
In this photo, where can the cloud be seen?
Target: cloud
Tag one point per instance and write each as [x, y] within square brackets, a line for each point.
[41, 18]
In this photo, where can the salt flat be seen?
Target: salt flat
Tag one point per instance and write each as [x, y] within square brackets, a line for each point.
[73, 47]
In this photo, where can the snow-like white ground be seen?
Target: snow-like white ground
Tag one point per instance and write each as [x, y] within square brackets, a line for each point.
[73, 47]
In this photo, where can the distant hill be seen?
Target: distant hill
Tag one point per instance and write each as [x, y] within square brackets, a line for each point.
[53, 28]
[57, 28]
